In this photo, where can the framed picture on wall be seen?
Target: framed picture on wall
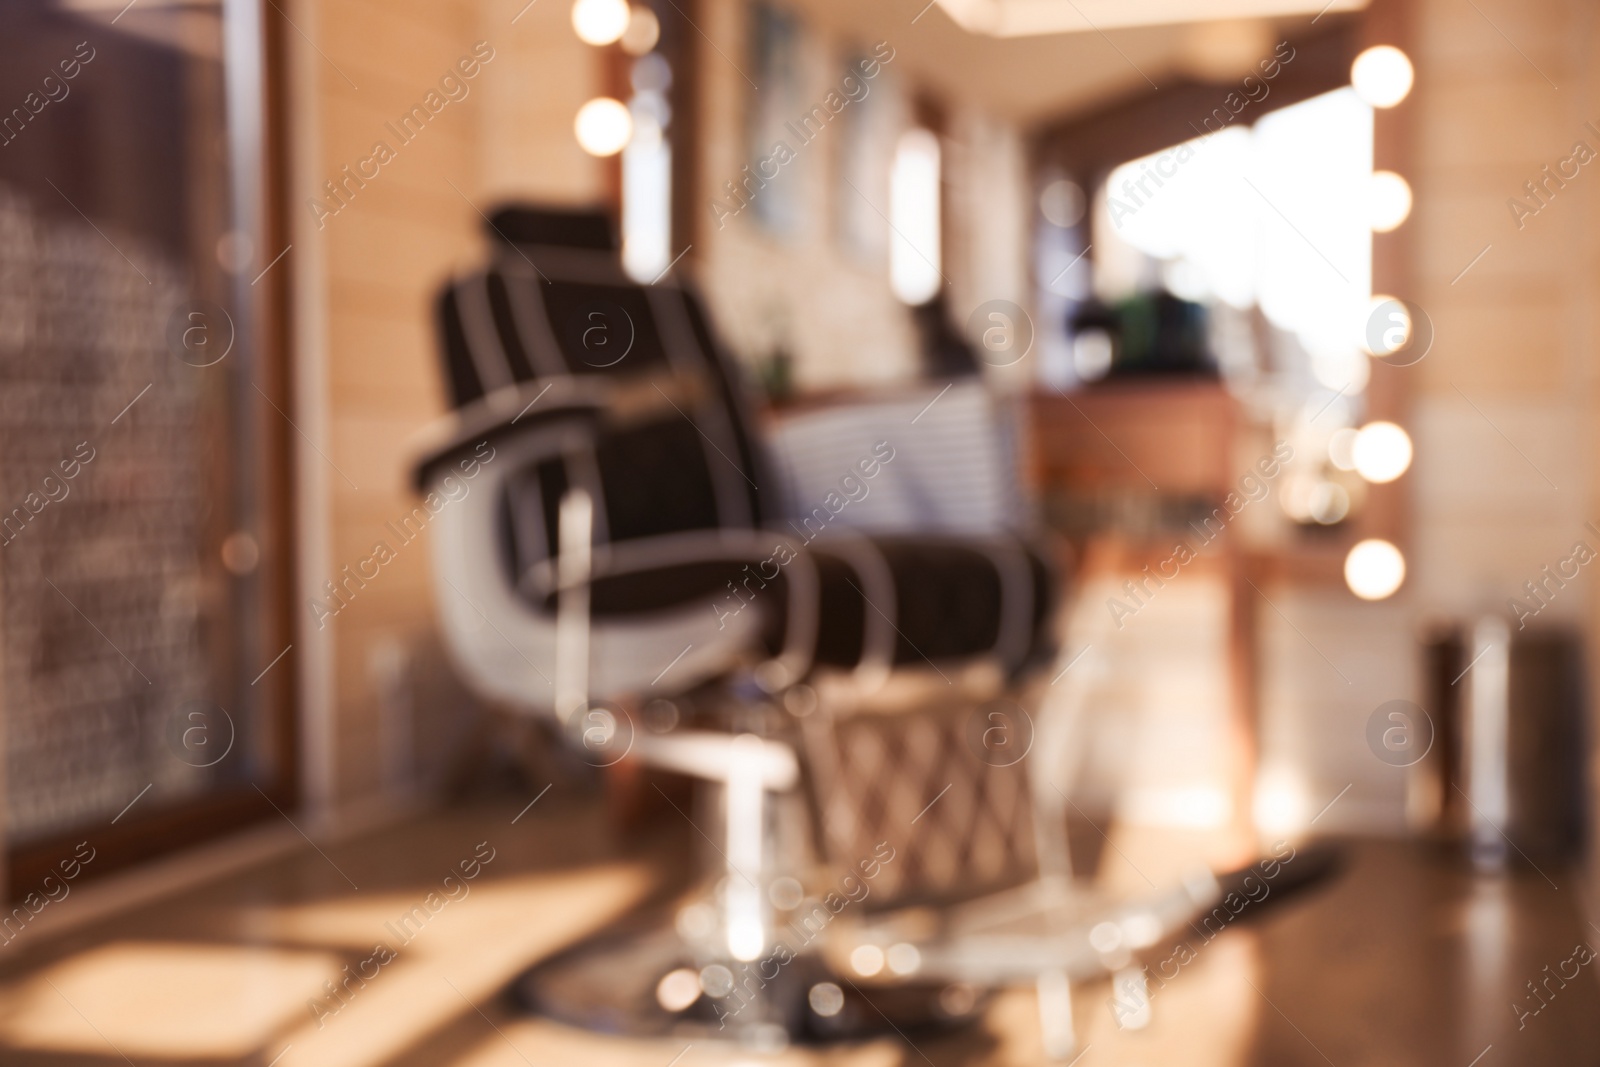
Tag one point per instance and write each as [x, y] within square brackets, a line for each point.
[864, 155]
[772, 148]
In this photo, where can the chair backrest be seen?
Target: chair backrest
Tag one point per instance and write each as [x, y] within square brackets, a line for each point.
[555, 303]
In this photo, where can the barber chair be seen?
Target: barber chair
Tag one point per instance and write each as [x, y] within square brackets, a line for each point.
[628, 565]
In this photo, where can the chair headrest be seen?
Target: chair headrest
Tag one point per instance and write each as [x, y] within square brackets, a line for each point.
[522, 224]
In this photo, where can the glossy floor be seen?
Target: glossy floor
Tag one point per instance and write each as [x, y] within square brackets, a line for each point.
[1407, 959]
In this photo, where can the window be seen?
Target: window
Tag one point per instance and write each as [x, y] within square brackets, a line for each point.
[647, 172]
[914, 206]
[1275, 216]
[1268, 229]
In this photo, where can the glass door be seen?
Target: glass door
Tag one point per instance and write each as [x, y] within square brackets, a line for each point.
[145, 660]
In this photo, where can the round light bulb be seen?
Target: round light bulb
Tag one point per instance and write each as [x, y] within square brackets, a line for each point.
[1388, 200]
[1374, 569]
[826, 999]
[1062, 203]
[1382, 75]
[643, 31]
[603, 126]
[1381, 452]
[867, 960]
[600, 22]
[678, 989]
[903, 959]
[1092, 354]
[1329, 503]
[1387, 327]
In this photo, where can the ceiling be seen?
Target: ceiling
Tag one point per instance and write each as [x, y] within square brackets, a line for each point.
[1041, 77]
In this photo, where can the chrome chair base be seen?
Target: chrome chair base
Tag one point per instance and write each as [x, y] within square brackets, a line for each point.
[645, 980]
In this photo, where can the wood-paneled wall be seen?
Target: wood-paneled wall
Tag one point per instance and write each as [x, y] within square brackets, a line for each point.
[365, 355]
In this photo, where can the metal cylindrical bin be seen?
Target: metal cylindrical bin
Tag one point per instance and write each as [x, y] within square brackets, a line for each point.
[1508, 772]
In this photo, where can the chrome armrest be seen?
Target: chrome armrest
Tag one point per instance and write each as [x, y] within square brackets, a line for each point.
[514, 409]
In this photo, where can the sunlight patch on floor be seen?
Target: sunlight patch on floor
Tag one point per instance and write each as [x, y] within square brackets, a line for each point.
[163, 999]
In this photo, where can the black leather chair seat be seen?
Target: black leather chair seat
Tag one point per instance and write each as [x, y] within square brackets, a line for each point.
[950, 601]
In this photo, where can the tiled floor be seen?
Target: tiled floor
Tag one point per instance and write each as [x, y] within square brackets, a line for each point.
[1407, 959]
